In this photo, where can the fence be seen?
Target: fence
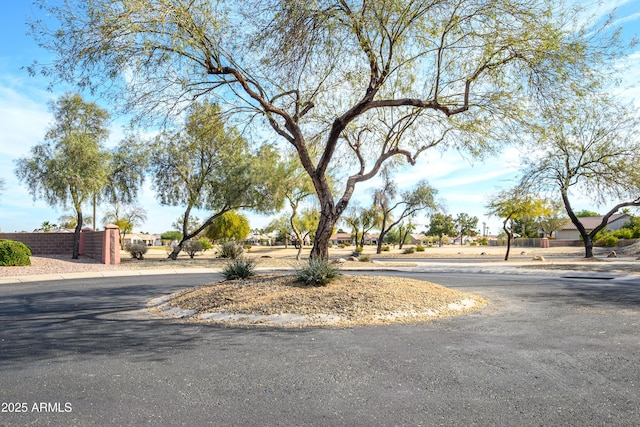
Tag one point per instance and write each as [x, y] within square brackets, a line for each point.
[103, 246]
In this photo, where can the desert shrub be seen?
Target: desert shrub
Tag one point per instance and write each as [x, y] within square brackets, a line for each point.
[247, 247]
[364, 258]
[206, 244]
[192, 247]
[623, 233]
[342, 246]
[385, 248]
[14, 253]
[608, 241]
[137, 250]
[409, 250]
[483, 241]
[239, 268]
[317, 272]
[231, 250]
[419, 248]
[473, 244]
[357, 252]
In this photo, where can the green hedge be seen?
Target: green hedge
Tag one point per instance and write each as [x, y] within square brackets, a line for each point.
[14, 253]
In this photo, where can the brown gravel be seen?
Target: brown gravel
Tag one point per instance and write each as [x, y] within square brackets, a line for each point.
[349, 300]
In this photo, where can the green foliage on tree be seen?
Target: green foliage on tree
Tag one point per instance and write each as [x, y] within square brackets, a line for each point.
[358, 82]
[591, 148]
[126, 217]
[207, 165]
[171, 236]
[465, 225]
[362, 221]
[515, 204]
[584, 213]
[229, 226]
[71, 166]
[441, 225]
[554, 219]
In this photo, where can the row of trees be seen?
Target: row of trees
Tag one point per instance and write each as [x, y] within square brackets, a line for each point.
[359, 85]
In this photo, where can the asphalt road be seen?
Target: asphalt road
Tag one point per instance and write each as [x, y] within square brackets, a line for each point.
[547, 351]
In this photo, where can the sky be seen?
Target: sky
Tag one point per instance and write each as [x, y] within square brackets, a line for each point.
[463, 185]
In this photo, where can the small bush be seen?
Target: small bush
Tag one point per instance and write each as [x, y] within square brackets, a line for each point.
[192, 247]
[137, 250]
[409, 250]
[239, 268]
[473, 244]
[608, 241]
[385, 248]
[247, 248]
[364, 258]
[342, 246]
[317, 272]
[231, 250]
[419, 248]
[483, 241]
[624, 233]
[14, 253]
[357, 252]
[206, 244]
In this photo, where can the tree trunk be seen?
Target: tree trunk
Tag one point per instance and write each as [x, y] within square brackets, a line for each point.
[297, 233]
[588, 246]
[320, 249]
[509, 236]
[76, 236]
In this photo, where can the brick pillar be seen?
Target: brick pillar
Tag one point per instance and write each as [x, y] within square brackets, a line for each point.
[111, 245]
[544, 242]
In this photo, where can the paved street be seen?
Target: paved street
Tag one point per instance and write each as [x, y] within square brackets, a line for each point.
[550, 349]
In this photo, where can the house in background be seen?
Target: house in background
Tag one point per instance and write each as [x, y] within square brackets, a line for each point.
[341, 238]
[570, 232]
[147, 239]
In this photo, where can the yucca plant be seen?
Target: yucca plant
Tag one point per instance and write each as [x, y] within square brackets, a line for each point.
[317, 272]
[239, 268]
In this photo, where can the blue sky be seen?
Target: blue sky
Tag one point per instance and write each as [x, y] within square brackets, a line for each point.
[24, 118]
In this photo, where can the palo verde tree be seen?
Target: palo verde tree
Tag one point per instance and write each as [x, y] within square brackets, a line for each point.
[71, 165]
[361, 220]
[229, 226]
[511, 205]
[394, 210]
[207, 165]
[592, 149]
[360, 82]
[296, 186]
[126, 217]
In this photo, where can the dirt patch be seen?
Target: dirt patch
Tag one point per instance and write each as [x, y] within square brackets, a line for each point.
[279, 300]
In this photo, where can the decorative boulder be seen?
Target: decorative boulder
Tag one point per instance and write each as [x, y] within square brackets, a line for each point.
[612, 254]
[538, 258]
[338, 261]
[353, 258]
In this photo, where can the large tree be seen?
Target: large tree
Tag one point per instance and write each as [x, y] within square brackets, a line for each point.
[360, 82]
[465, 225]
[441, 225]
[513, 205]
[591, 149]
[71, 166]
[207, 165]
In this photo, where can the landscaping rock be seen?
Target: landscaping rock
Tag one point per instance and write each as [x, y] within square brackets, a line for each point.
[612, 254]
[538, 258]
